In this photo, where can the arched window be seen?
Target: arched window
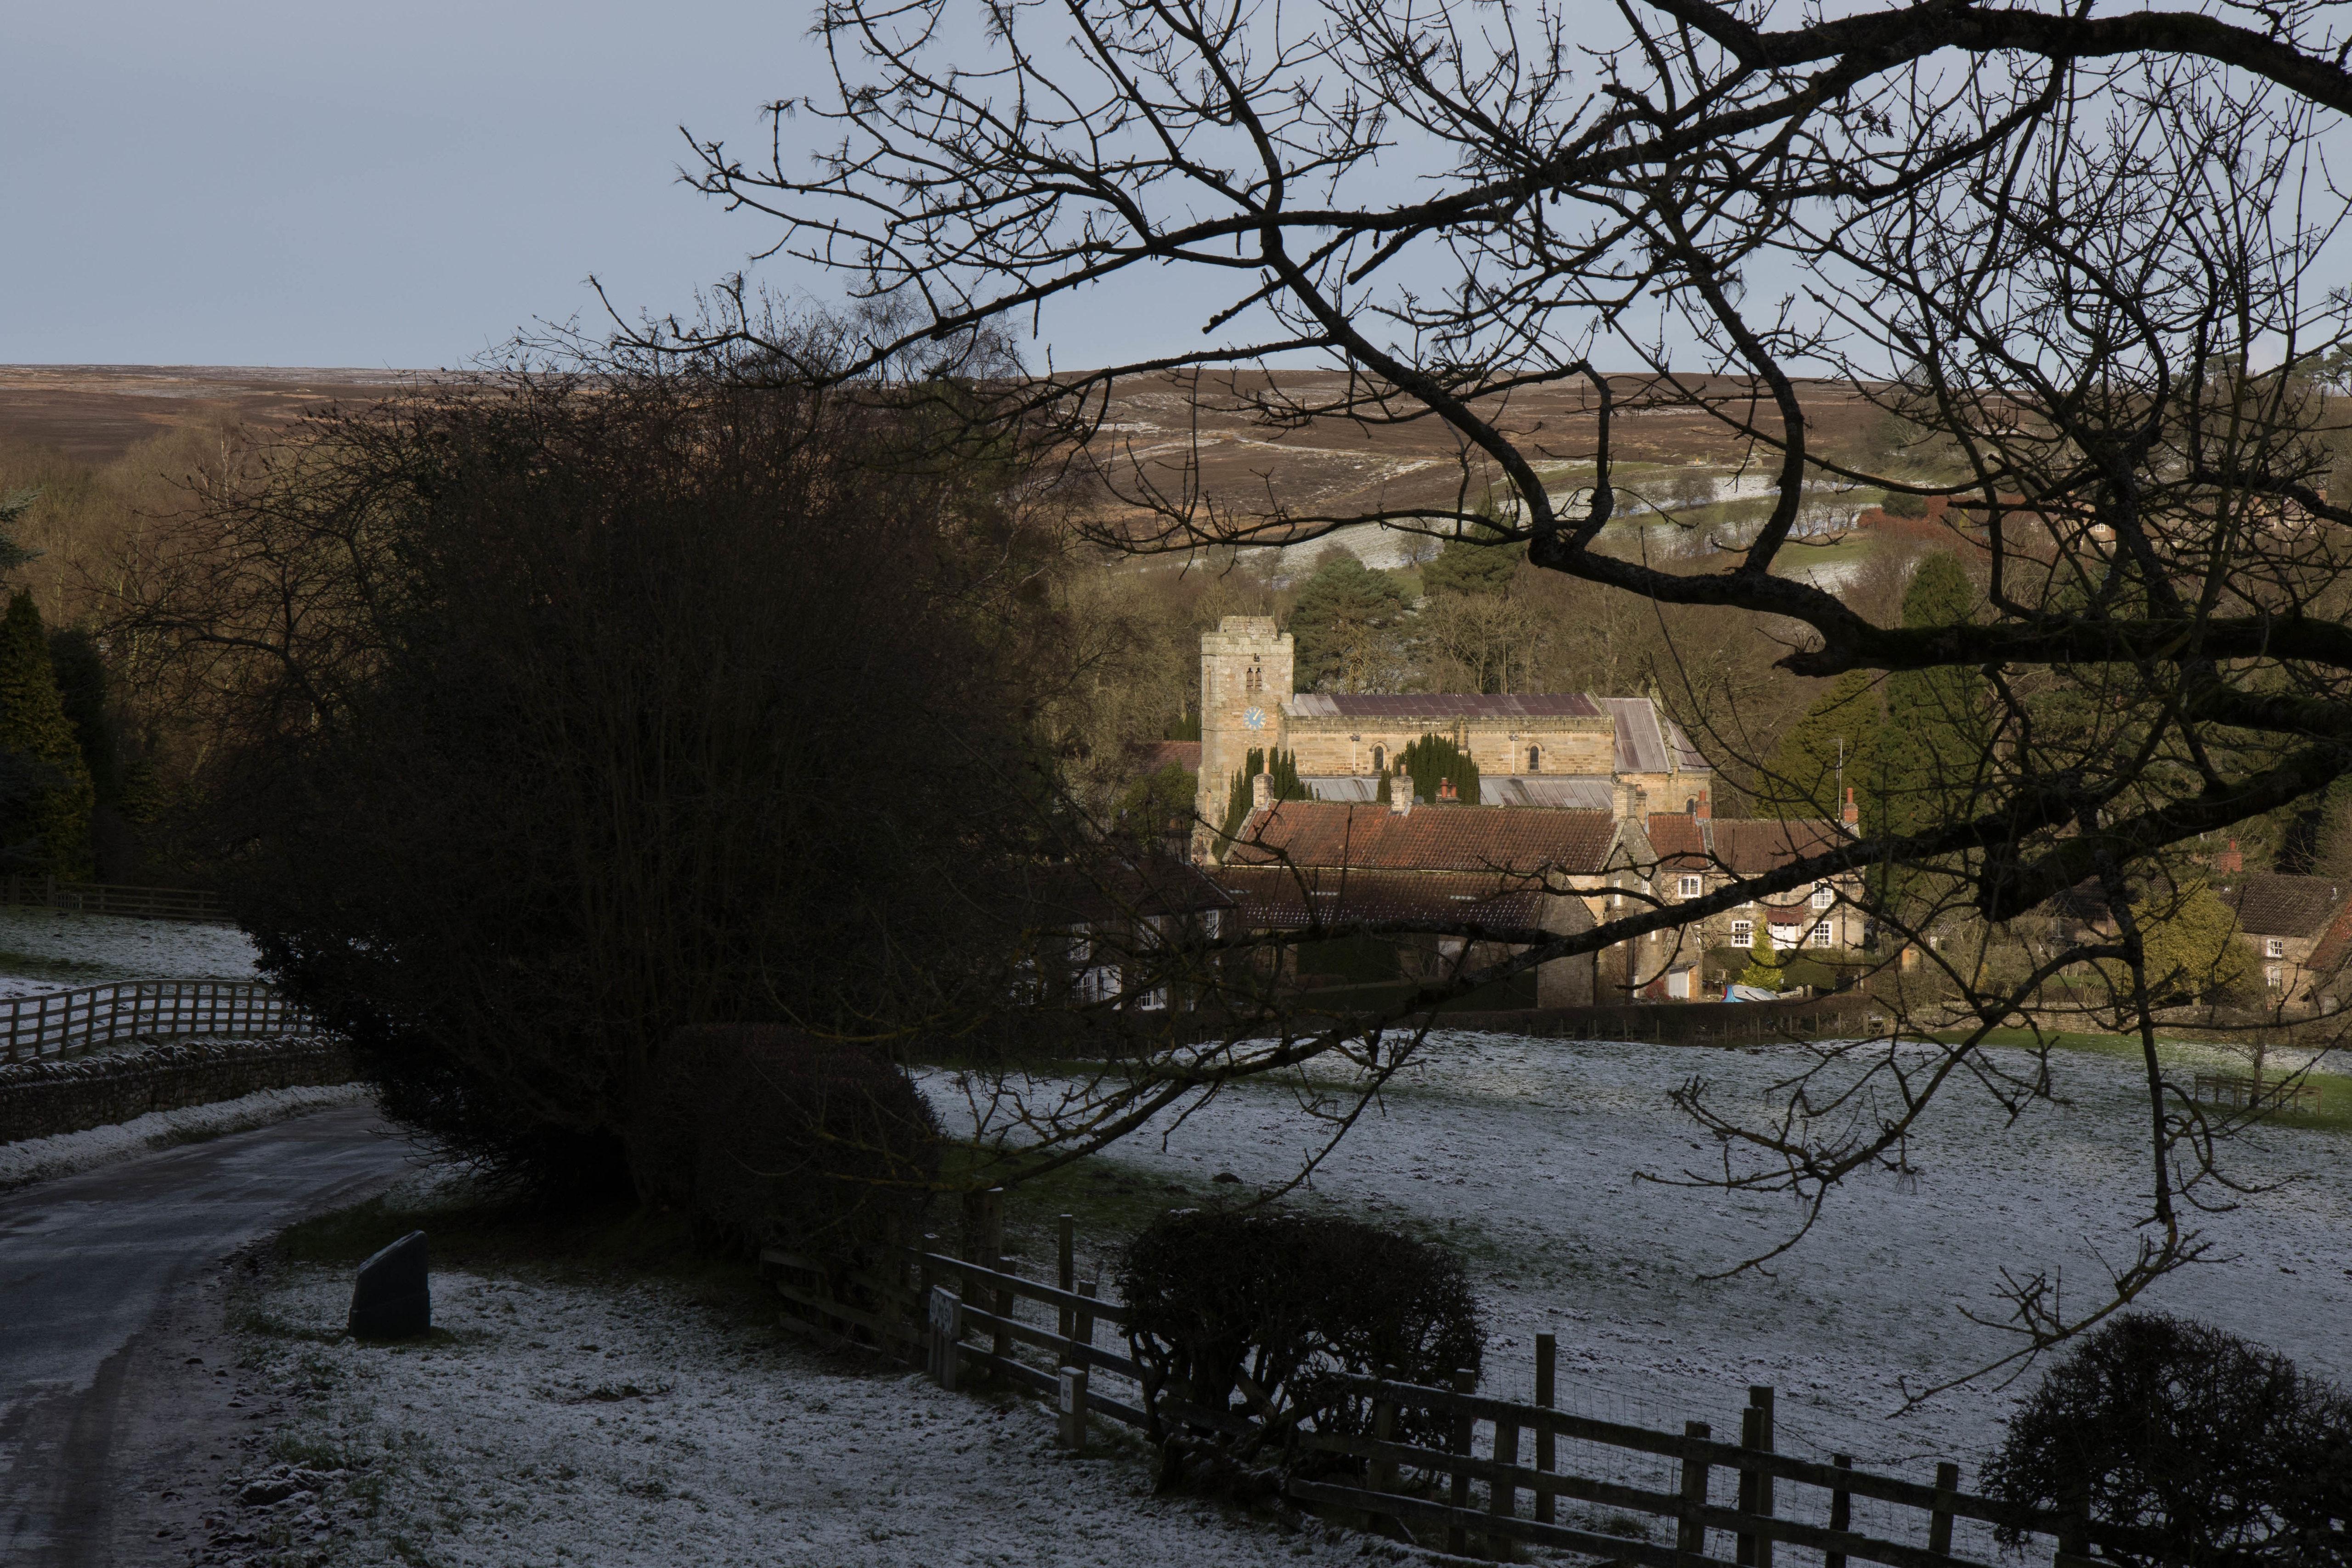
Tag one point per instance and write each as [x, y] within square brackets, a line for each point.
[1380, 758]
[1534, 759]
[1255, 681]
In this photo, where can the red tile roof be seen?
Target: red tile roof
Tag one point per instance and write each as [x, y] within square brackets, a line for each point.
[1679, 838]
[1750, 848]
[1529, 840]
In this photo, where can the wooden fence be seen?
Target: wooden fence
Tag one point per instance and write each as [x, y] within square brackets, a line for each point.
[2240, 1093]
[111, 899]
[63, 1023]
[1508, 1471]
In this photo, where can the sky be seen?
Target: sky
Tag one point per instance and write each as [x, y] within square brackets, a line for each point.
[394, 185]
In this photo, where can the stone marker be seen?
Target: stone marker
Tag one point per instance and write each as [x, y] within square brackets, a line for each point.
[394, 1298]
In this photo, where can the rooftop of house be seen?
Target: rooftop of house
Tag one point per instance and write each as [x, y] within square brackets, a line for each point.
[1528, 841]
[1742, 846]
[1111, 890]
[2272, 903]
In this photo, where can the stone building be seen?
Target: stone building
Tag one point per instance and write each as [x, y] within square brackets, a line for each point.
[1569, 751]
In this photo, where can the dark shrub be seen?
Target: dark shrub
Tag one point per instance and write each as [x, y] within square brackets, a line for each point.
[1287, 1301]
[2207, 1444]
[1902, 503]
[773, 1137]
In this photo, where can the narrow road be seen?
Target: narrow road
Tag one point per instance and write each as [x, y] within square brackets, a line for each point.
[103, 1280]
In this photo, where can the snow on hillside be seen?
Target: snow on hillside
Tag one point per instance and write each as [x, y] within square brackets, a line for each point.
[1532, 1156]
[48, 949]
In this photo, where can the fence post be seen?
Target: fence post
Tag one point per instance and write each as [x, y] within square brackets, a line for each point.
[1840, 1510]
[1384, 1426]
[1547, 1357]
[1065, 1239]
[1074, 1408]
[1082, 1331]
[1457, 1539]
[1690, 1535]
[947, 1330]
[1503, 1493]
[1940, 1521]
[1755, 1485]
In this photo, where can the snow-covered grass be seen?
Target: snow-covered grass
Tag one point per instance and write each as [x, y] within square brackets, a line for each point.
[37, 1159]
[626, 1422]
[48, 949]
[1532, 1156]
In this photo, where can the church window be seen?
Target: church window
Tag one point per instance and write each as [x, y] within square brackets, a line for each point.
[1380, 758]
[1534, 759]
[1255, 681]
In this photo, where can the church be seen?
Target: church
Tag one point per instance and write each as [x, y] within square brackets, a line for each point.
[1617, 754]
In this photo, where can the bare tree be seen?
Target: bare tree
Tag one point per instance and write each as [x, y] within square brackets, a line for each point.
[2070, 252]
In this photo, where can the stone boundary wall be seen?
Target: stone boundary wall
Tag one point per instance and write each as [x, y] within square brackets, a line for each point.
[40, 1100]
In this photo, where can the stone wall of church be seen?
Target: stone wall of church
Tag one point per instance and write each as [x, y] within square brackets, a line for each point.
[1499, 746]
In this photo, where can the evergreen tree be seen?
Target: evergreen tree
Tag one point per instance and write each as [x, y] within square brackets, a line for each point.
[1434, 758]
[1473, 563]
[1348, 626]
[47, 824]
[1936, 737]
[1803, 775]
[2190, 944]
[82, 688]
[1243, 793]
[1765, 970]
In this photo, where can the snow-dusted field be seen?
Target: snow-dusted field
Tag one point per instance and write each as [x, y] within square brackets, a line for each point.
[49, 949]
[1530, 1154]
[625, 1425]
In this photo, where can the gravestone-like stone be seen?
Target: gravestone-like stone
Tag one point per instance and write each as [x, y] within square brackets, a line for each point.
[392, 1299]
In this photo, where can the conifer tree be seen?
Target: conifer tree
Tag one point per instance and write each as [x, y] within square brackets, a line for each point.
[1802, 778]
[48, 821]
[1476, 563]
[1764, 971]
[1348, 623]
[1434, 758]
[1935, 740]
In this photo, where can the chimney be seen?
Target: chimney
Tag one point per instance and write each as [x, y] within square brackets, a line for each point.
[1445, 790]
[1626, 801]
[1850, 817]
[1261, 790]
[2228, 863]
[1400, 794]
[1700, 806]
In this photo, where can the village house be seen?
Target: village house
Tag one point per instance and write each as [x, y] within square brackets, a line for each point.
[1517, 872]
[2287, 919]
[1698, 854]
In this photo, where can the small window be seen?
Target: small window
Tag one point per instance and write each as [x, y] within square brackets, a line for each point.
[1534, 759]
[2274, 976]
[1690, 887]
[1380, 758]
[1822, 934]
[2274, 948]
[1824, 896]
[1255, 681]
[1743, 932]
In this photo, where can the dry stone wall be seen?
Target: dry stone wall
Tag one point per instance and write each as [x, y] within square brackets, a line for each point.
[39, 1099]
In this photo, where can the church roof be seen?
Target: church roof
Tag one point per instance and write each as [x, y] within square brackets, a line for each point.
[1647, 740]
[1427, 838]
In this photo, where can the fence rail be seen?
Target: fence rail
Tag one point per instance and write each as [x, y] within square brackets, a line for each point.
[64, 1023]
[188, 904]
[2241, 1093]
[958, 1316]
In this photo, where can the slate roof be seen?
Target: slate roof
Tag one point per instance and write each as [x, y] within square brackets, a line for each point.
[1391, 706]
[1647, 740]
[1276, 897]
[1428, 838]
[1561, 791]
[1361, 788]
[2269, 903]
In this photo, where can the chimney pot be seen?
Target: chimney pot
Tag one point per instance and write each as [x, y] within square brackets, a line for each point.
[1445, 790]
[1851, 815]
[2230, 862]
[1261, 791]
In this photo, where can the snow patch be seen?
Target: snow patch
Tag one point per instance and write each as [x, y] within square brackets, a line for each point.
[38, 1159]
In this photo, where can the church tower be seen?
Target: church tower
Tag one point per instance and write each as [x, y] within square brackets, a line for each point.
[1245, 675]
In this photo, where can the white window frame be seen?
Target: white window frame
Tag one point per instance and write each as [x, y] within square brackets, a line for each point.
[1691, 886]
[1820, 937]
[2274, 948]
[1742, 933]
[2274, 976]
[1824, 896]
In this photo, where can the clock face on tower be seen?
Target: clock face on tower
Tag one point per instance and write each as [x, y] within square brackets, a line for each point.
[1254, 718]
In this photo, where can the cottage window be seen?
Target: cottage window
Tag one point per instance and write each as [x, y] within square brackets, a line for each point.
[1822, 934]
[1690, 887]
[1742, 933]
[1824, 896]
[2274, 975]
[2274, 948]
